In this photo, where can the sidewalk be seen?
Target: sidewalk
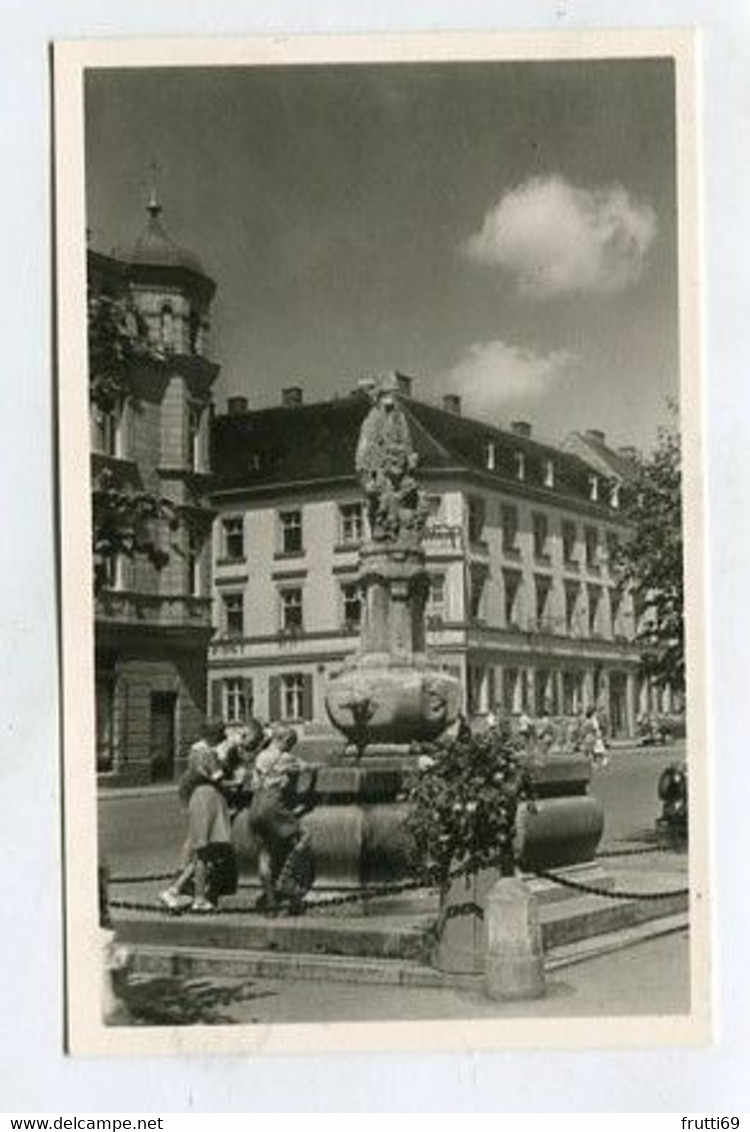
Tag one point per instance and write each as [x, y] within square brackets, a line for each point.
[652, 978]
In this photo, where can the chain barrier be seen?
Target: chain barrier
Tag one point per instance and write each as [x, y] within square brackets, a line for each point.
[395, 889]
[595, 890]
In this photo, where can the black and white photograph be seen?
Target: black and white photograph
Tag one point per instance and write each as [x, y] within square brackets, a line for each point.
[380, 542]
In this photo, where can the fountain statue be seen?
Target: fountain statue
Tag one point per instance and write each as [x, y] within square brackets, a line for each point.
[390, 691]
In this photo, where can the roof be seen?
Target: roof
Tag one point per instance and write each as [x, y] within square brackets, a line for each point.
[608, 461]
[155, 248]
[316, 442]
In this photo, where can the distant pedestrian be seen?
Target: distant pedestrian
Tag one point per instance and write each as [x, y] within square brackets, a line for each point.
[286, 865]
[594, 744]
[209, 866]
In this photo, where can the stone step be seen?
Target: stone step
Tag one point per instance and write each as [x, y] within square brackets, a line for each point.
[384, 937]
[197, 962]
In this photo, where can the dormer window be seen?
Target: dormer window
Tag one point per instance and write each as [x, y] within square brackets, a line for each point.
[549, 473]
[594, 488]
[520, 462]
[490, 456]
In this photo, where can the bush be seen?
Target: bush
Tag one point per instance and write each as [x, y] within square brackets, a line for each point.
[463, 802]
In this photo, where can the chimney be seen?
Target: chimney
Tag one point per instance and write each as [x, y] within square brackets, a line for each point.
[291, 397]
[629, 451]
[236, 405]
[452, 404]
[596, 435]
[521, 428]
[403, 385]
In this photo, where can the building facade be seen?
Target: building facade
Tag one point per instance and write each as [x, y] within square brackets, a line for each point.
[153, 620]
[525, 604]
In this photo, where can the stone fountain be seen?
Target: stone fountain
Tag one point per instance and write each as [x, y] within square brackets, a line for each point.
[391, 694]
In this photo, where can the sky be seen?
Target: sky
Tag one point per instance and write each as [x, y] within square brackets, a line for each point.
[506, 231]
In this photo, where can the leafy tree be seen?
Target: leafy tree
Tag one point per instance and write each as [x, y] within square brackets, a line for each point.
[126, 520]
[651, 560]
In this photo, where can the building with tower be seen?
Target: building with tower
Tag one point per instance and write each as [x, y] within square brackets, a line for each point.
[153, 619]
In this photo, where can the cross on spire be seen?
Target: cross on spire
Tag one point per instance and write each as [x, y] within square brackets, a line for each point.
[154, 206]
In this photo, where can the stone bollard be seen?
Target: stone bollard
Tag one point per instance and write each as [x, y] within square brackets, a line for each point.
[514, 966]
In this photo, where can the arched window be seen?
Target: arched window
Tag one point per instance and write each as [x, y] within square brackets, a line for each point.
[167, 327]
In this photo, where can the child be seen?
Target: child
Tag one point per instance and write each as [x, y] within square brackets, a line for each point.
[209, 862]
[285, 864]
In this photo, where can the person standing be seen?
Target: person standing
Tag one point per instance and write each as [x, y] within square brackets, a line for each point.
[209, 865]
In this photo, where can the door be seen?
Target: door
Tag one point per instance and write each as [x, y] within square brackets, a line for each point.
[617, 710]
[162, 747]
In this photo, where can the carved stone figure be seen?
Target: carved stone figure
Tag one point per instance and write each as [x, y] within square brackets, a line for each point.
[385, 462]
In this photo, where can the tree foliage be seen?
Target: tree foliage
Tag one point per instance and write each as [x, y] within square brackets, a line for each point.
[126, 520]
[651, 561]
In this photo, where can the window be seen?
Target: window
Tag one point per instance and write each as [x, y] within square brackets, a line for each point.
[549, 473]
[520, 462]
[105, 724]
[614, 495]
[490, 456]
[593, 488]
[237, 700]
[569, 538]
[167, 327]
[595, 595]
[615, 606]
[572, 683]
[194, 573]
[477, 517]
[351, 605]
[477, 580]
[591, 535]
[351, 524]
[291, 532]
[613, 553]
[234, 614]
[543, 588]
[291, 697]
[113, 571]
[434, 506]
[511, 690]
[512, 581]
[541, 535]
[233, 530]
[195, 455]
[436, 597]
[108, 431]
[509, 520]
[571, 607]
[291, 609]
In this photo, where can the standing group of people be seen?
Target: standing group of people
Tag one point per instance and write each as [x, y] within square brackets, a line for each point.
[253, 768]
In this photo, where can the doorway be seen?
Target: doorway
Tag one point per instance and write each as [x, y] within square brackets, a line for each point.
[163, 733]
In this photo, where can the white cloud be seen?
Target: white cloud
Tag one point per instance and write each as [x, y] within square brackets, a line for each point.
[494, 374]
[556, 238]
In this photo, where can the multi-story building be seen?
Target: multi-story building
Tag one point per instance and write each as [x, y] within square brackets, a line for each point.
[153, 624]
[525, 605]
